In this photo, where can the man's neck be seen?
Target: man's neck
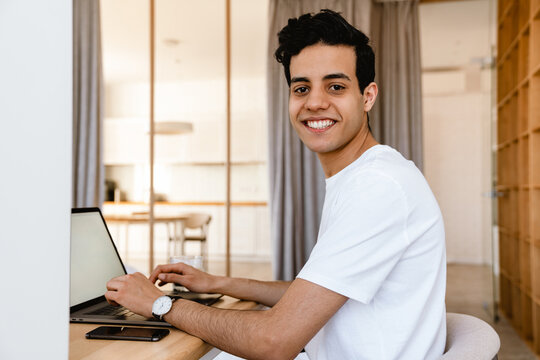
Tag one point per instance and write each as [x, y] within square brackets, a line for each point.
[334, 162]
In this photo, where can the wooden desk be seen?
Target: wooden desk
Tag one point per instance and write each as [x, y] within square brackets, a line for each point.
[177, 345]
[177, 222]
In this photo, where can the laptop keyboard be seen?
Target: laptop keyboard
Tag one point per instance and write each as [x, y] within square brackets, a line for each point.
[110, 310]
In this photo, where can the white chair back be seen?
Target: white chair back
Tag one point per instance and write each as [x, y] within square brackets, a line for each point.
[197, 220]
[469, 338]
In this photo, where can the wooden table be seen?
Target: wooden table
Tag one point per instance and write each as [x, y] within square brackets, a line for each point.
[177, 222]
[177, 345]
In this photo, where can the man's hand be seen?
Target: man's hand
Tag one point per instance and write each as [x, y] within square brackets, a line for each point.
[185, 275]
[133, 291]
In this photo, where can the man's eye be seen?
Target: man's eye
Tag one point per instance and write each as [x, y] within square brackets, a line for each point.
[301, 90]
[336, 87]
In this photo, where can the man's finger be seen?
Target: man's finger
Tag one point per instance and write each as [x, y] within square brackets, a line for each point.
[167, 268]
[114, 284]
[158, 270]
[153, 276]
[111, 297]
[170, 278]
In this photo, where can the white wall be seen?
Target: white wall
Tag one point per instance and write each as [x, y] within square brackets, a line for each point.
[35, 177]
[455, 40]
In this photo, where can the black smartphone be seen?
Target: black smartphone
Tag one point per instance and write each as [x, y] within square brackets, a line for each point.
[127, 333]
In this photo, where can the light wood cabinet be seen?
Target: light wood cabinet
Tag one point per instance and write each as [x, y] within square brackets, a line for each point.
[518, 164]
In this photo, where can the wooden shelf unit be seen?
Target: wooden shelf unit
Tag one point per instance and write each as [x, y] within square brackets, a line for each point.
[518, 164]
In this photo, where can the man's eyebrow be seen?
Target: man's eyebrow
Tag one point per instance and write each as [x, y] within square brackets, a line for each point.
[299, 79]
[336, 76]
[326, 77]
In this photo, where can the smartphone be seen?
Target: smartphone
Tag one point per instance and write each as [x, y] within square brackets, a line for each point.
[127, 333]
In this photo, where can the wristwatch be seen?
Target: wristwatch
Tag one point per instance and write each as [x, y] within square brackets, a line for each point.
[162, 306]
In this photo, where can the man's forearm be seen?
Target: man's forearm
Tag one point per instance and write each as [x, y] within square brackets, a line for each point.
[264, 292]
[278, 333]
[244, 333]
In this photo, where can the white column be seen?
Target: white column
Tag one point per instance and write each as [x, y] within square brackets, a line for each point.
[35, 177]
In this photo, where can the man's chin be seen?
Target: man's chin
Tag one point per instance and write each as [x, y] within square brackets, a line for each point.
[318, 145]
[319, 149]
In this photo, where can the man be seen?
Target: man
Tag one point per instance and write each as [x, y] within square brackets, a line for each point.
[374, 285]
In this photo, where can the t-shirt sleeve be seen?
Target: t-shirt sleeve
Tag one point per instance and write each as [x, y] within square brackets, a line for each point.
[364, 238]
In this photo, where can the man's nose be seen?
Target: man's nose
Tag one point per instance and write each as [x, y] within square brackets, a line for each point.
[317, 99]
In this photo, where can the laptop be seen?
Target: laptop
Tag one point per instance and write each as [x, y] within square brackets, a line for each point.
[94, 261]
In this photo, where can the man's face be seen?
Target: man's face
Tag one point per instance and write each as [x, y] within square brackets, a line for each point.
[326, 107]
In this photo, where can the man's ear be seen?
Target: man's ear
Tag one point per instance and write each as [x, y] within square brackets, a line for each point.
[370, 94]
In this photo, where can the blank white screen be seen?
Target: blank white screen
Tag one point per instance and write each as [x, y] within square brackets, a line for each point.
[93, 258]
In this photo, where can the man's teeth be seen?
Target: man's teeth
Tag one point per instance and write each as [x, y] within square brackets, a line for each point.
[319, 124]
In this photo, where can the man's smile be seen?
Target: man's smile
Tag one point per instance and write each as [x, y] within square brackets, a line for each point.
[318, 123]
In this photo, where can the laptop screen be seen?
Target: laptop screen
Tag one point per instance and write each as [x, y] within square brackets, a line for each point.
[94, 259]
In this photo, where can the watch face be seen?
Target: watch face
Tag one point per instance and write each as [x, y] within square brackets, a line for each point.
[162, 305]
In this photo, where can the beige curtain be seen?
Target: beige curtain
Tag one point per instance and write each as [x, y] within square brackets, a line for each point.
[88, 168]
[396, 118]
[297, 185]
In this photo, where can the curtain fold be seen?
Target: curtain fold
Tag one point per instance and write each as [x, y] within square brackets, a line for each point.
[88, 168]
[396, 118]
[297, 185]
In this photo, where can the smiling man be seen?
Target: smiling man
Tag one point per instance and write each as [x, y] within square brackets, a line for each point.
[374, 284]
[327, 108]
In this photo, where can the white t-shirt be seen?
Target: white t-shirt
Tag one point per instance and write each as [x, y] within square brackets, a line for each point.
[381, 244]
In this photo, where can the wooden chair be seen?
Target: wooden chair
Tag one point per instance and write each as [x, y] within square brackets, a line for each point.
[195, 229]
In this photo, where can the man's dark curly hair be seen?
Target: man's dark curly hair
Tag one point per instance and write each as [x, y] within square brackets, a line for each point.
[330, 28]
